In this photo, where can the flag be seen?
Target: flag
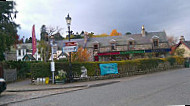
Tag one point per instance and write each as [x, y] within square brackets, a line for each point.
[33, 40]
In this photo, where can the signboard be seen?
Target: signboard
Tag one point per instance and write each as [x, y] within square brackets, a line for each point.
[158, 50]
[110, 53]
[70, 44]
[110, 68]
[52, 66]
[54, 49]
[70, 47]
[130, 52]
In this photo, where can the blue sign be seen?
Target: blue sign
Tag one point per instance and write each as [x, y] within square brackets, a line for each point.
[110, 68]
[158, 50]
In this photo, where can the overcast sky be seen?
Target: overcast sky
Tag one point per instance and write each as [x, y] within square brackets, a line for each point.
[101, 16]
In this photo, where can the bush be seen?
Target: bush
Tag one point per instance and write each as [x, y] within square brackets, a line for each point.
[171, 60]
[39, 70]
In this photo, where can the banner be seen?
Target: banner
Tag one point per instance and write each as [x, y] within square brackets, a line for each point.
[110, 68]
[33, 40]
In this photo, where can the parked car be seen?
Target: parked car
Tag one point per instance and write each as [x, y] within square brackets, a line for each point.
[3, 85]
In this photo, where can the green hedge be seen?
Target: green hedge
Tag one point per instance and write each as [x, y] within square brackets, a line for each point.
[42, 69]
[128, 66]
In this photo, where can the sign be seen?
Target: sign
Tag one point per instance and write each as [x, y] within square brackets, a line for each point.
[130, 52]
[54, 49]
[52, 66]
[110, 53]
[70, 44]
[158, 50]
[70, 49]
[110, 68]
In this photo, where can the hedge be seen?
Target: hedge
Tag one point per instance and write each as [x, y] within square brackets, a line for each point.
[124, 67]
[131, 67]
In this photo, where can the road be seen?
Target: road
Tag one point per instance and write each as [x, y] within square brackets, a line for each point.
[158, 89]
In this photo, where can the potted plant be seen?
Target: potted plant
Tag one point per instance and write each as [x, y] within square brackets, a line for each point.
[60, 78]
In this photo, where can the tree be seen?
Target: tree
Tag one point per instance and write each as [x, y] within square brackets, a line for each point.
[8, 28]
[43, 34]
[172, 40]
[180, 52]
[101, 35]
[44, 50]
[128, 33]
[115, 33]
[53, 30]
[58, 36]
[28, 40]
[91, 34]
[81, 55]
[82, 33]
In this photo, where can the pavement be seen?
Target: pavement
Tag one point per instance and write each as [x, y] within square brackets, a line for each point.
[24, 86]
[23, 90]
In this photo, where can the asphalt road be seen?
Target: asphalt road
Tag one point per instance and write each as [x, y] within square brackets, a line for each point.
[158, 89]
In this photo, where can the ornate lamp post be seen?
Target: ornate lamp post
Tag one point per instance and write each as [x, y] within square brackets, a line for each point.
[68, 21]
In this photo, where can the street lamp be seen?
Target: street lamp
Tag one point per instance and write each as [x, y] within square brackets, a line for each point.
[68, 21]
[52, 63]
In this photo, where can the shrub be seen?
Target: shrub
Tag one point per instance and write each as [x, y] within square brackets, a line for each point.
[179, 60]
[171, 60]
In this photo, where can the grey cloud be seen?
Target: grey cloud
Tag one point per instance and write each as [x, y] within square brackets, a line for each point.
[101, 16]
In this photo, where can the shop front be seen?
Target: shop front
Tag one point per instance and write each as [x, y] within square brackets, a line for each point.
[132, 54]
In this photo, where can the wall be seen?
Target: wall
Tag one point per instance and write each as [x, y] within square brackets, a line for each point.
[10, 75]
[187, 50]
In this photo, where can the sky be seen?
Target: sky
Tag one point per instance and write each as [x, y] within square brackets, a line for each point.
[102, 16]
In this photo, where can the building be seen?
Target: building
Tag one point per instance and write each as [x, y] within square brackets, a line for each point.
[183, 44]
[113, 48]
[125, 47]
[26, 49]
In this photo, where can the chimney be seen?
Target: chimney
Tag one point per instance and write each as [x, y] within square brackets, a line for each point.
[182, 38]
[86, 37]
[143, 31]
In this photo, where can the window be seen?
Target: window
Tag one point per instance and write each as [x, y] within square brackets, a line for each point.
[19, 52]
[155, 43]
[113, 46]
[131, 44]
[95, 47]
[23, 53]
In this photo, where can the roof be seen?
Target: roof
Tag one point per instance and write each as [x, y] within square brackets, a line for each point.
[28, 56]
[123, 39]
[25, 45]
[187, 43]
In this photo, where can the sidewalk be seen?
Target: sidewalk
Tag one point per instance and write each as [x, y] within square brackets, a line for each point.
[24, 86]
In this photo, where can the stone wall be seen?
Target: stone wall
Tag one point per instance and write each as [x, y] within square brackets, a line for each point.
[10, 75]
[133, 71]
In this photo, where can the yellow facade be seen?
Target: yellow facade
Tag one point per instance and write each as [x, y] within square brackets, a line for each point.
[187, 50]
